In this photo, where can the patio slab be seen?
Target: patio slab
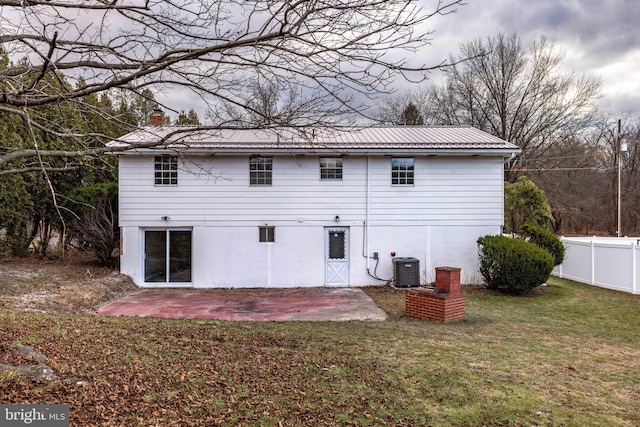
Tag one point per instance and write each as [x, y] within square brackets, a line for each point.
[299, 304]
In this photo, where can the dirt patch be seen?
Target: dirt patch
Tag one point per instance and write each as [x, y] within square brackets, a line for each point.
[390, 300]
[73, 284]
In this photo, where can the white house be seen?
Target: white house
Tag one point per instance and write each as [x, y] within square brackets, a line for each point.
[290, 208]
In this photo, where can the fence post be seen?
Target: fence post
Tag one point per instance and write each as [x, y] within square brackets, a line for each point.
[560, 266]
[633, 269]
[593, 263]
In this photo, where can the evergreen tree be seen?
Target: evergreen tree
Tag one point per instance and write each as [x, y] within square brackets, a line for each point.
[188, 119]
[411, 116]
[525, 203]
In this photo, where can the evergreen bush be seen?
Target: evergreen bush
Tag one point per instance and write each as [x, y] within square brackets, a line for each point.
[512, 264]
[524, 203]
[546, 240]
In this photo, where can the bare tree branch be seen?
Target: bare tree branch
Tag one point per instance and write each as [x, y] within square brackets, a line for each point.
[516, 95]
[326, 51]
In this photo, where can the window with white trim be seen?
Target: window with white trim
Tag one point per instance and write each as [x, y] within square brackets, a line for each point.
[402, 169]
[166, 170]
[260, 170]
[330, 168]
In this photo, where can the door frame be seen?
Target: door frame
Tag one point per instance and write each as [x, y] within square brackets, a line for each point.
[143, 254]
[330, 264]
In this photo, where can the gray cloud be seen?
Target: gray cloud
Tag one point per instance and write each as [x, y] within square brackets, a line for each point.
[604, 28]
[597, 35]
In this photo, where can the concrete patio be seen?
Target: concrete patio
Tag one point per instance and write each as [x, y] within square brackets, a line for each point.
[297, 304]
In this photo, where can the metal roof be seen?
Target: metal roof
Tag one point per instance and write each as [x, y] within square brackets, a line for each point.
[344, 140]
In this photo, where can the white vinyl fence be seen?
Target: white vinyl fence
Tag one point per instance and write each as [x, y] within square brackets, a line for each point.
[605, 262]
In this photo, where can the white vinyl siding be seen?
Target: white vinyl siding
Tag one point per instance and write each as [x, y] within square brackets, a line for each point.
[216, 191]
[446, 191]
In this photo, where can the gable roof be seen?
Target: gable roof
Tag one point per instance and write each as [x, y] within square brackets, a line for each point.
[387, 140]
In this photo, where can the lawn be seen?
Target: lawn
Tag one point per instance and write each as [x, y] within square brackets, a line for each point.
[568, 355]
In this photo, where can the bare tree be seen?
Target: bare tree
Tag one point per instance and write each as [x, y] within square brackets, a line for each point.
[519, 96]
[97, 230]
[575, 176]
[274, 103]
[409, 107]
[631, 182]
[611, 135]
[330, 50]
[580, 177]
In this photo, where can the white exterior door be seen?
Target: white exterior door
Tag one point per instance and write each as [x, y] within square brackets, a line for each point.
[337, 256]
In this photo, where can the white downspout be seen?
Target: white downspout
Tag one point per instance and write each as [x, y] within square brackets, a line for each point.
[366, 231]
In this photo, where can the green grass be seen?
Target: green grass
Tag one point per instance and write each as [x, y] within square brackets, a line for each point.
[568, 355]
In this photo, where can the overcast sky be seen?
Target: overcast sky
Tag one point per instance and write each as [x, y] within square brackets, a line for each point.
[600, 37]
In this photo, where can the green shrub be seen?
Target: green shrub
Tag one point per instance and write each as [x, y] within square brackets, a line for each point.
[524, 203]
[546, 240]
[513, 265]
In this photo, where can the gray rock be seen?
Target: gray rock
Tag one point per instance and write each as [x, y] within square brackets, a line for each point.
[29, 352]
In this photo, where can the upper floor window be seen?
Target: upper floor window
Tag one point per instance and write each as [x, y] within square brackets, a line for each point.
[402, 170]
[166, 170]
[330, 168]
[260, 169]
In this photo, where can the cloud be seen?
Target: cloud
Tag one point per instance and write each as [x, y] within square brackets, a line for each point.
[606, 28]
[599, 37]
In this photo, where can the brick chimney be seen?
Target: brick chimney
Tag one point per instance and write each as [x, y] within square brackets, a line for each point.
[157, 118]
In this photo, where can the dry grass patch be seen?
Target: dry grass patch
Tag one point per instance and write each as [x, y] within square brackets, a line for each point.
[71, 285]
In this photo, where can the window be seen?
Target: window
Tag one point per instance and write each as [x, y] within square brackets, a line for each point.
[260, 169]
[267, 234]
[337, 244]
[166, 170]
[402, 171]
[330, 168]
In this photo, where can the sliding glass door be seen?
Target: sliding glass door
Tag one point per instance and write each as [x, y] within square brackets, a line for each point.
[167, 256]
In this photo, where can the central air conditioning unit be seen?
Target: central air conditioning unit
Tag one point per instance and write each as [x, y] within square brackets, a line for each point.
[406, 272]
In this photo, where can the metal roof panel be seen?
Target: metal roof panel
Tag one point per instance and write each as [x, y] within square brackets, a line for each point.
[316, 139]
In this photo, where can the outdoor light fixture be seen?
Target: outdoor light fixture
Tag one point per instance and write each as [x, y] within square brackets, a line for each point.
[165, 218]
[337, 218]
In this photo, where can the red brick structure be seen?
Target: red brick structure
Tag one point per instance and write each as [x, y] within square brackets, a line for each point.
[157, 118]
[448, 281]
[445, 303]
